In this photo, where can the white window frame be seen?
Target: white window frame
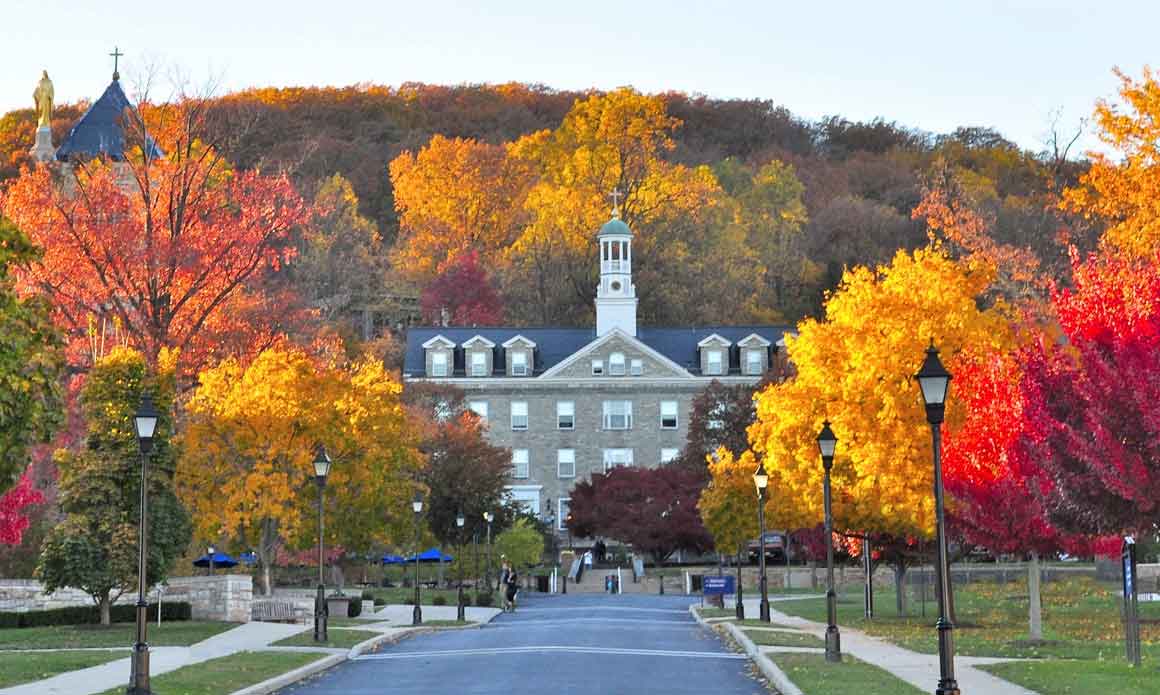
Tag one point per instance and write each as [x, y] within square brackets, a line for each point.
[720, 354]
[669, 455]
[610, 420]
[519, 420]
[442, 411]
[479, 408]
[716, 419]
[524, 454]
[597, 367]
[478, 363]
[636, 367]
[440, 367]
[611, 455]
[562, 406]
[562, 505]
[565, 456]
[753, 361]
[520, 363]
[676, 408]
[616, 364]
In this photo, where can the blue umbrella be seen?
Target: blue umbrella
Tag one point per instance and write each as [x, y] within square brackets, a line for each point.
[431, 555]
[250, 558]
[394, 560]
[219, 560]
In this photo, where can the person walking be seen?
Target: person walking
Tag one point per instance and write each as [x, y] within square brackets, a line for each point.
[511, 587]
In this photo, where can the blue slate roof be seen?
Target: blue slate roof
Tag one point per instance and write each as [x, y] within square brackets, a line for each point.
[99, 131]
[554, 345]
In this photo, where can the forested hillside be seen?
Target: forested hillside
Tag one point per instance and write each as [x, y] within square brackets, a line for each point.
[744, 211]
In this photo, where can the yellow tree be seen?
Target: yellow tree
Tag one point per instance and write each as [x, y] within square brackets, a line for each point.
[1125, 193]
[728, 504]
[854, 368]
[455, 195]
[246, 467]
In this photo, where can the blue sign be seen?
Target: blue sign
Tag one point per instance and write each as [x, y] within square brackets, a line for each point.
[717, 585]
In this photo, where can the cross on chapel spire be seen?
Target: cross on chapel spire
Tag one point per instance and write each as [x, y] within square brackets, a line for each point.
[116, 54]
[615, 195]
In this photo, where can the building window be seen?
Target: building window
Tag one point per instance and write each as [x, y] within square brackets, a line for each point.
[617, 457]
[520, 467]
[562, 513]
[597, 367]
[566, 463]
[618, 415]
[442, 411]
[519, 363]
[439, 363]
[616, 364]
[716, 419]
[519, 415]
[668, 415]
[753, 362]
[478, 364]
[669, 455]
[636, 367]
[565, 415]
[713, 362]
[479, 408]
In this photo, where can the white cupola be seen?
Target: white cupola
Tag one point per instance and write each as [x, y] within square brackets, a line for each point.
[616, 295]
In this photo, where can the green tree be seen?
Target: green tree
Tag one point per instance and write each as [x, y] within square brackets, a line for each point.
[94, 547]
[31, 362]
[522, 544]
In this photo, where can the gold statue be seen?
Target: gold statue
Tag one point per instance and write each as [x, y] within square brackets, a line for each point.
[43, 98]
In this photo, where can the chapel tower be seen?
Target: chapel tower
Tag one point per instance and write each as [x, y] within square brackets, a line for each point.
[616, 295]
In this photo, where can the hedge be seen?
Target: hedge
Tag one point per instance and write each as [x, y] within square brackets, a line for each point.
[86, 615]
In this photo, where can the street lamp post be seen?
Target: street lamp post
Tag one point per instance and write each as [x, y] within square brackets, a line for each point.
[827, 443]
[934, 381]
[739, 609]
[461, 612]
[488, 517]
[321, 470]
[417, 507]
[145, 423]
[761, 482]
[210, 550]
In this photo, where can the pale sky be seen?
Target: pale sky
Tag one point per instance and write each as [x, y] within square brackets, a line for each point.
[935, 64]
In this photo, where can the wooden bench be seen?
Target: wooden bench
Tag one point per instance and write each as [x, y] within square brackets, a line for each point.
[273, 612]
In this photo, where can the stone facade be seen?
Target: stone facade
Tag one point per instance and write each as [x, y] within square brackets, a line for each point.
[218, 597]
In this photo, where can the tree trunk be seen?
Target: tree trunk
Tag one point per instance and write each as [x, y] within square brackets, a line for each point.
[900, 588]
[1036, 611]
[813, 565]
[105, 603]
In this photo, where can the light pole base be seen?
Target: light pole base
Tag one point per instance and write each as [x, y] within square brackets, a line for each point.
[320, 615]
[833, 644]
[947, 688]
[417, 615]
[139, 667]
[763, 610]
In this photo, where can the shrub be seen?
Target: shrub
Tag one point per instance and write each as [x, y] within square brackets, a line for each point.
[85, 615]
[354, 608]
[483, 600]
[380, 602]
[439, 601]
[368, 595]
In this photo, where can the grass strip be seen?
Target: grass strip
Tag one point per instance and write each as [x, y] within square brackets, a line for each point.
[25, 667]
[1063, 677]
[337, 639]
[815, 676]
[777, 638]
[179, 633]
[225, 674]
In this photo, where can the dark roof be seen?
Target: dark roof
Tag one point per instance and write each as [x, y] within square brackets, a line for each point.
[99, 131]
[554, 345]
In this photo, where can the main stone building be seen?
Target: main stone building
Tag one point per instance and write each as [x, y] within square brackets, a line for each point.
[570, 402]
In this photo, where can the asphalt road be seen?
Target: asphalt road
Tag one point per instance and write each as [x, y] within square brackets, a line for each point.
[555, 645]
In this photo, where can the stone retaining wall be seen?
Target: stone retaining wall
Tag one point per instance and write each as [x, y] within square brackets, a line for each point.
[218, 597]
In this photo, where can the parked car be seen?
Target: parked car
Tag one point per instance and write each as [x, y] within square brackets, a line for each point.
[774, 547]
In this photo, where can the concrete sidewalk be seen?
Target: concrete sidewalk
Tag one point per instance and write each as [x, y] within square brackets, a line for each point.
[115, 674]
[397, 614]
[920, 670]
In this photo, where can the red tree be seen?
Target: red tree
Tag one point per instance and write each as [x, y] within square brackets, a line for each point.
[13, 506]
[159, 252]
[652, 509]
[464, 291]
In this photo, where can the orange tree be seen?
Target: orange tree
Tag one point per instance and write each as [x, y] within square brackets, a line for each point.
[249, 442]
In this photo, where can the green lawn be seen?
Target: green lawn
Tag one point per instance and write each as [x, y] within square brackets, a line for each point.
[1081, 621]
[339, 639]
[1058, 677]
[24, 667]
[777, 638]
[814, 676]
[226, 674]
[178, 633]
[447, 623]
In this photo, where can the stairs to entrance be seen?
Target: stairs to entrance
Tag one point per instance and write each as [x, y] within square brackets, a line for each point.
[592, 582]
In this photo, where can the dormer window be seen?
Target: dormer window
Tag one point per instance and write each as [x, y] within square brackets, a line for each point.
[519, 363]
[714, 361]
[714, 355]
[439, 352]
[754, 349]
[616, 364]
[754, 364]
[478, 364]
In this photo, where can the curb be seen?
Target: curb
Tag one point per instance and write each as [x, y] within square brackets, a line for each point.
[764, 664]
[291, 677]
